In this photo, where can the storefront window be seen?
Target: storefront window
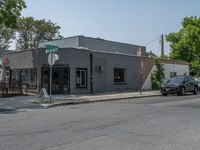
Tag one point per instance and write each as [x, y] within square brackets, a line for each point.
[15, 75]
[33, 77]
[66, 80]
[45, 80]
[29, 77]
[81, 78]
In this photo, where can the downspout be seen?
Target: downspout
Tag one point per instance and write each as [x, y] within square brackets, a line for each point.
[91, 73]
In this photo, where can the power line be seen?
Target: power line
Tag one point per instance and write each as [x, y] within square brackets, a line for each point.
[152, 41]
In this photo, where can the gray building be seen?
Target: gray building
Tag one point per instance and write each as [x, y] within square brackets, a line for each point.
[77, 70]
[86, 65]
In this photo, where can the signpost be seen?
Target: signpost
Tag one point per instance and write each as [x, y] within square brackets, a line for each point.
[141, 76]
[52, 58]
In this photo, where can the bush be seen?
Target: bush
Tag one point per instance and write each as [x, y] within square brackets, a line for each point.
[155, 85]
[158, 75]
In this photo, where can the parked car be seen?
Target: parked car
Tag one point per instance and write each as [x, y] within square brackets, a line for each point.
[179, 85]
[198, 84]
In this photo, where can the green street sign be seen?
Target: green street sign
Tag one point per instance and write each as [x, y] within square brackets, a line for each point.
[51, 48]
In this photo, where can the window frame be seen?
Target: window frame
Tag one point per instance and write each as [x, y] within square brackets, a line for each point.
[124, 76]
[86, 76]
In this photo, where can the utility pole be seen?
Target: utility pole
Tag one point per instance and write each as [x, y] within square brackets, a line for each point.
[162, 46]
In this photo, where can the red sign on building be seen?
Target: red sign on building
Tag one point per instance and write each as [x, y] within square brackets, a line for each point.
[5, 60]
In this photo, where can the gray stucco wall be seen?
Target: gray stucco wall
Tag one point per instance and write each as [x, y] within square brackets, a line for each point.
[104, 81]
[78, 58]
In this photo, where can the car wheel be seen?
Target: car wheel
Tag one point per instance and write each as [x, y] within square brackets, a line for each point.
[182, 91]
[164, 94]
[195, 90]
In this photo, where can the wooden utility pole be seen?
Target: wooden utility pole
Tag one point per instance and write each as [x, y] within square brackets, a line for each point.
[162, 46]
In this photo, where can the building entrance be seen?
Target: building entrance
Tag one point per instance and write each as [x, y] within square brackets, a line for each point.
[60, 80]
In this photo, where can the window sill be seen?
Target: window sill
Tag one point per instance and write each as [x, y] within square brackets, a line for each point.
[120, 83]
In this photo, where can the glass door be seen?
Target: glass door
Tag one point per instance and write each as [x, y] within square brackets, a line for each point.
[60, 80]
[57, 81]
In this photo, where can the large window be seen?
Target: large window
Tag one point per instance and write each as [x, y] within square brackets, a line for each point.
[81, 78]
[15, 75]
[119, 75]
[33, 77]
[29, 77]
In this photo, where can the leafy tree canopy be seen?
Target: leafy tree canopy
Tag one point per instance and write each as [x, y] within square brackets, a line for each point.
[10, 11]
[32, 31]
[6, 37]
[185, 44]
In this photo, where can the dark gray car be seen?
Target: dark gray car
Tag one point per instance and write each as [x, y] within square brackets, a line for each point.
[180, 85]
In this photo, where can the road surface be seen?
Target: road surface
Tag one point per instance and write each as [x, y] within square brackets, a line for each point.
[155, 123]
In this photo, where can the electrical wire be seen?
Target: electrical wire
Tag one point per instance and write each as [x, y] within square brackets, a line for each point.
[152, 41]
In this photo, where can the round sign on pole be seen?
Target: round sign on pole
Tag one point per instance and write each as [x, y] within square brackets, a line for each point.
[52, 60]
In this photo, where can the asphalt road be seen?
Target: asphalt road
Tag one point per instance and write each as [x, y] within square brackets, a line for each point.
[156, 123]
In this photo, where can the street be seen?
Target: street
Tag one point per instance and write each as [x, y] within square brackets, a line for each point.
[153, 123]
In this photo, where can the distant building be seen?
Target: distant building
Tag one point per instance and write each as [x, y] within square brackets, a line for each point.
[97, 44]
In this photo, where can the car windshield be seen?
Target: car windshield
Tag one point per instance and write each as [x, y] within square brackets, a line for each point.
[176, 79]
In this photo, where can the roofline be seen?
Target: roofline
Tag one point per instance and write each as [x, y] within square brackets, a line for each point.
[94, 39]
[180, 62]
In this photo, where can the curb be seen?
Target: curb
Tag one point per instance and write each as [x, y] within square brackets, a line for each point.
[104, 100]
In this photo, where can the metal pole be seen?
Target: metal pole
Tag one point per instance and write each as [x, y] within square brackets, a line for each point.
[91, 73]
[141, 76]
[141, 83]
[50, 77]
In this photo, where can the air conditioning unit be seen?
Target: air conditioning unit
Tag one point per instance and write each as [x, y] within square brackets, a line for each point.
[99, 68]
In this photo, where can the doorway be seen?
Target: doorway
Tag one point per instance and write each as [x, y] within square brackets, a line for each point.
[60, 80]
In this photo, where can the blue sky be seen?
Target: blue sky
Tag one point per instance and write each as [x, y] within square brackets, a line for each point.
[129, 21]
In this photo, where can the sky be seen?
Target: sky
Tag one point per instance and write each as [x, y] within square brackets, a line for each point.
[130, 21]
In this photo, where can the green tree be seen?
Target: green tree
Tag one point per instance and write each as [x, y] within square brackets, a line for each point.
[6, 37]
[10, 11]
[31, 32]
[185, 44]
[165, 57]
[158, 75]
[151, 54]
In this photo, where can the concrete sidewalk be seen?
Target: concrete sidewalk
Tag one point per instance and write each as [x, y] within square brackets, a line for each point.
[89, 98]
[30, 102]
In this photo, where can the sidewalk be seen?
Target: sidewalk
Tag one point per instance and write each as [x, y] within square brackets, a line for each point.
[78, 99]
[33, 102]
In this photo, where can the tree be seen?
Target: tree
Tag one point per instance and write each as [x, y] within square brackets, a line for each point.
[158, 75]
[165, 57]
[10, 12]
[32, 31]
[151, 54]
[185, 44]
[6, 37]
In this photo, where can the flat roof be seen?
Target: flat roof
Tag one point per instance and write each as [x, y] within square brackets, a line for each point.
[181, 62]
[98, 38]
